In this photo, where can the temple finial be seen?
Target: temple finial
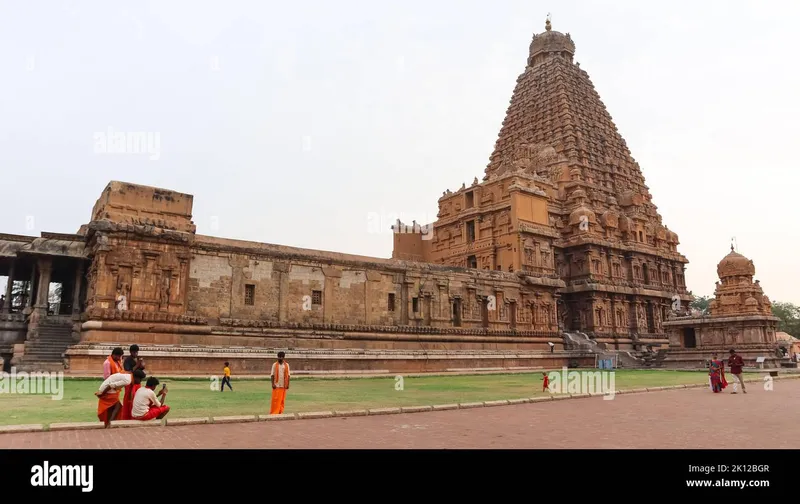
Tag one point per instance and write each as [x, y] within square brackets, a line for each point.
[547, 23]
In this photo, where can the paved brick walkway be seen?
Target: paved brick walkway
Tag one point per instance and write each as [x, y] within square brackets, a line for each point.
[691, 418]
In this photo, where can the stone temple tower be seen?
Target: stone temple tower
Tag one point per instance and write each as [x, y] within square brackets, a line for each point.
[564, 204]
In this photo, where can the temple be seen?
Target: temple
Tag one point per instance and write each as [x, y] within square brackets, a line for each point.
[557, 252]
[739, 317]
[564, 205]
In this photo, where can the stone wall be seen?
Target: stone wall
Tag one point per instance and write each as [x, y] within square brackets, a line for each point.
[262, 287]
[719, 332]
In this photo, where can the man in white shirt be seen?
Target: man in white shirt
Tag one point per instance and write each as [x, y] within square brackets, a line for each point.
[146, 404]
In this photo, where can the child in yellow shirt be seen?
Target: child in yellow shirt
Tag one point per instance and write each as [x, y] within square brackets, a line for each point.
[226, 378]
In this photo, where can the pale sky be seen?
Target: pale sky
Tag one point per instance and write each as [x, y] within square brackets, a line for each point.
[294, 122]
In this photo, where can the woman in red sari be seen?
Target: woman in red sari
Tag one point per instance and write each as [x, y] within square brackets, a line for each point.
[716, 373]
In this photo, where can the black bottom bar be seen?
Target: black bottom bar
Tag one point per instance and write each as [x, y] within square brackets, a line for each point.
[374, 474]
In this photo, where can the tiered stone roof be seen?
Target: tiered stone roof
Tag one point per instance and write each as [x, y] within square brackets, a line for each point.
[557, 126]
[737, 293]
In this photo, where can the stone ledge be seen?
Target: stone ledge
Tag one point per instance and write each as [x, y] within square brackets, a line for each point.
[384, 411]
[351, 413]
[416, 409]
[315, 414]
[186, 421]
[136, 423]
[325, 414]
[273, 418]
[75, 426]
[496, 403]
[234, 419]
[21, 428]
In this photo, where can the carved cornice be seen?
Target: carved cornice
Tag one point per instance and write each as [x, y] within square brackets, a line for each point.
[463, 331]
[538, 229]
[138, 316]
[146, 232]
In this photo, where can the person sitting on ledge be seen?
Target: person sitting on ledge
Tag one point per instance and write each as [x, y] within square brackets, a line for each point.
[146, 403]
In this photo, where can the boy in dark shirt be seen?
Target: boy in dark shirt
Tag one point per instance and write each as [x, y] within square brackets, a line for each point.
[133, 361]
[736, 363]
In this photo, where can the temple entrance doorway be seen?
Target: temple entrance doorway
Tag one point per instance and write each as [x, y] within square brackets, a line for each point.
[651, 325]
[457, 312]
[485, 312]
[688, 338]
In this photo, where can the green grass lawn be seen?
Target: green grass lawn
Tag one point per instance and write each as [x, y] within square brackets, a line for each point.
[194, 397]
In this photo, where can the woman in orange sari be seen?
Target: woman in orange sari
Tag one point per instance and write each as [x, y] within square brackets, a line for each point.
[108, 405]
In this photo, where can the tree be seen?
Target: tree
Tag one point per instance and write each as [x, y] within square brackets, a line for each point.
[790, 317]
[19, 293]
[700, 303]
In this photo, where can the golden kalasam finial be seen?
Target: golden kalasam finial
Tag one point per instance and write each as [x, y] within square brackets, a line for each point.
[547, 23]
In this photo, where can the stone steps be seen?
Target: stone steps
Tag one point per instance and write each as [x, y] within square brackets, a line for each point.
[47, 350]
[37, 365]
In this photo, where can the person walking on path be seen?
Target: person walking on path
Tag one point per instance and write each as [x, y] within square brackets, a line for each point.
[716, 374]
[736, 364]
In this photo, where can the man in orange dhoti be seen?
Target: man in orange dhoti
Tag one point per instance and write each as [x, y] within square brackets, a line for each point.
[108, 406]
[280, 384]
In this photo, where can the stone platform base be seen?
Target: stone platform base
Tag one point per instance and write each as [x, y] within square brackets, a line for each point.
[87, 358]
[697, 359]
[197, 350]
[125, 335]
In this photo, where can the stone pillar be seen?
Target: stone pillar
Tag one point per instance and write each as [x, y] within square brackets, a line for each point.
[45, 268]
[7, 304]
[76, 291]
[613, 314]
[637, 307]
[627, 306]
